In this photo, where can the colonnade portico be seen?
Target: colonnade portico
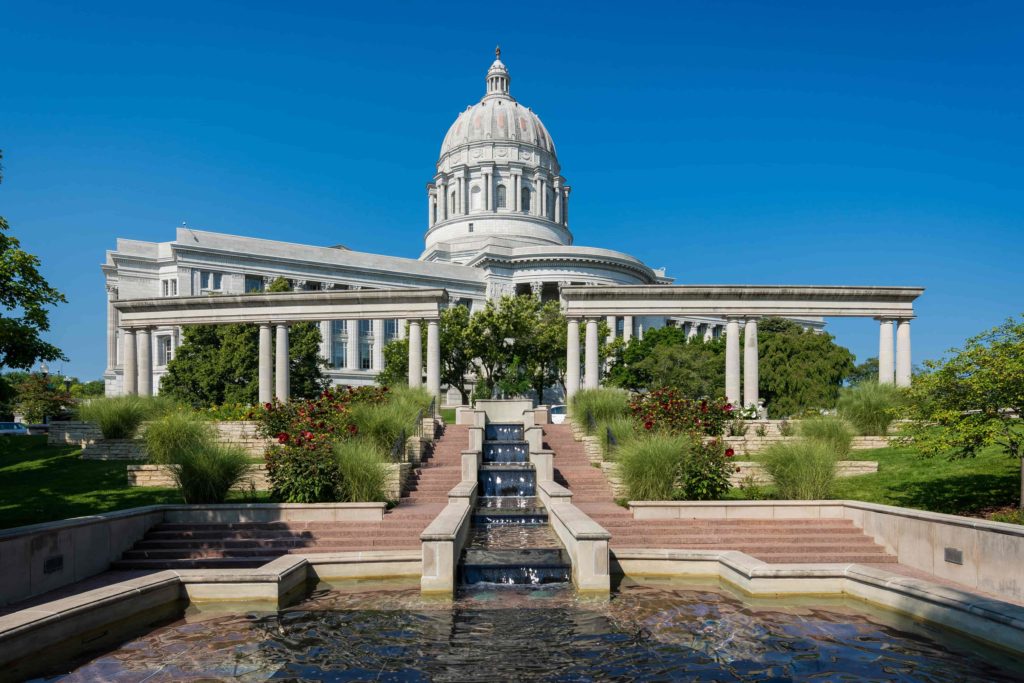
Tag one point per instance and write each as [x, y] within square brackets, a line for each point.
[740, 306]
[275, 313]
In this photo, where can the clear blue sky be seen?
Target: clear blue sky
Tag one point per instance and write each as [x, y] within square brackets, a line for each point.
[732, 142]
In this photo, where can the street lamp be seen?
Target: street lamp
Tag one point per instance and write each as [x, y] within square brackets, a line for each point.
[44, 369]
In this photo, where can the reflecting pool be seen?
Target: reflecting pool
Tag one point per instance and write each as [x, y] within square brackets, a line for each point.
[647, 632]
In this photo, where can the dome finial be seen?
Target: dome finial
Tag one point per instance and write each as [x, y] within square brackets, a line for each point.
[497, 52]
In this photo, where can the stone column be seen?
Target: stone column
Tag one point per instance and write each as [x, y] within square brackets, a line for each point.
[750, 360]
[442, 201]
[462, 196]
[266, 391]
[352, 351]
[691, 331]
[732, 361]
[400, 323]
[325, 339]
[487, 191]
[283, 368]
[378, 345]
[430, 207]
[558, 201]
[627, 328]
[543, 197]
[130, 378]
[611, 320]
[111, 328]
[903, 365]
[885, 363]
[145, 338]
[591, 380]
[565, 207]
[415, 355]
[433, 358]
[572, 358]
[519, 193]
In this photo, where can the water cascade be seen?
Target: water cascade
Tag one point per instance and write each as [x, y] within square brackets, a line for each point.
[510, 542]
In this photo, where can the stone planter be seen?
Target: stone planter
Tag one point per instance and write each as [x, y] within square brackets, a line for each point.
[160, 476]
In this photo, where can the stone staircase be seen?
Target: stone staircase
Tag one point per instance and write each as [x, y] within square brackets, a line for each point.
[773, 541]
[195, 546]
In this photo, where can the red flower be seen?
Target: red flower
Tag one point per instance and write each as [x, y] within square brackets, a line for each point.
[648, 424]
[729, 452]
[352, 429]
[282, 437]
[268, 406]
[728, 407]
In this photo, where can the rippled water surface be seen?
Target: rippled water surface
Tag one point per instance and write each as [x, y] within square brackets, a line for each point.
[645, 633]
[512, 537]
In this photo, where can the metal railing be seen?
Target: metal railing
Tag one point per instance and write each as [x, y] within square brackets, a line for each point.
[610, 439]
[398, 448]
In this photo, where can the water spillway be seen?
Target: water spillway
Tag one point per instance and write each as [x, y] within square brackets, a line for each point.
[510, 542]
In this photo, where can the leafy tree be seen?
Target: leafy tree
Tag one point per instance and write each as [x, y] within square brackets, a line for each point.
[456, 357]
[973, 399]
[545, 359]
[90, 389]
[864, 372]
[39, 398]
[218, 364]
[499, 341]
[24, 298]
[665, 358]
[799, 369]
[396, 363]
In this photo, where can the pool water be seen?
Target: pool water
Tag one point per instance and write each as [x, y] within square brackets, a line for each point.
[647, 632]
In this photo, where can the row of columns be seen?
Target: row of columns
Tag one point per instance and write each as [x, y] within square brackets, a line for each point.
[902, 369]
[440, 206]
[751, 373]
[433, 356]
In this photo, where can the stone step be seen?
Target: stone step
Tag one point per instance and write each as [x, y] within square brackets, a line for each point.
[784, 540]
[732, 523]
[203, 563]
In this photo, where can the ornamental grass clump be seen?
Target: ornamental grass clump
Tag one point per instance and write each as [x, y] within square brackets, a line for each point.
[870, 407]
[614, 433]
[119, 417]
[383, 425]
[203, 470]
[649, 466]
[833, 432]
[802, 470]
[590, 407]
[364, 473]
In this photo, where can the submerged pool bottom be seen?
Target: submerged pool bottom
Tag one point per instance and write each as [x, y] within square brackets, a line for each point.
[646, 632]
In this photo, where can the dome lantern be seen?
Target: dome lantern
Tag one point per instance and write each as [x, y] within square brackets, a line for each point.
[497, 77]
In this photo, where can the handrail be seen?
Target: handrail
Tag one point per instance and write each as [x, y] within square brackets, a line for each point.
[398, 448]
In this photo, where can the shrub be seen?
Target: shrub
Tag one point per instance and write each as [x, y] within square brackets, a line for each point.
[830, 431]
[802, 470]
[665, 410]
[761, 430]
[363, 472]
[704, 471]
[299, 474]
[176, 432]
[206, 475]
[737, 428]
[649, 466]
[600, 405]
[786, 428]
[870, 407]
[203, 470]
[119, 417]
[382, 425]
[230, 412]
[622, 430]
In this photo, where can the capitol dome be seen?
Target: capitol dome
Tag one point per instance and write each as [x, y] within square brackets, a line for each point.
[497, 117]
[498, 178]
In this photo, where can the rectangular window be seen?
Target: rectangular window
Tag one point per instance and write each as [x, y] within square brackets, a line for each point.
[339, 345]
[253, 283]
[365, 355]
[166, 287]
[620, 324]
[209, 281]
[365, 328]
[390, 330]
[164, 350]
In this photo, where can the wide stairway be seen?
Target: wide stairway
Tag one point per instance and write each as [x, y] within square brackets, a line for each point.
[213, 545]
[774, 541]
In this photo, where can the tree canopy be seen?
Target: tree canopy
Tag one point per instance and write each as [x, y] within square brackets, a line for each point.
[972, 399]
[218, 364]
[25, 296]
[665, 358]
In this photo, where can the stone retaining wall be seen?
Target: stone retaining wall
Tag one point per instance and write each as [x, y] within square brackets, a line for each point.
[114, 449]
[73, 433]
[748, 445]
[742, 469]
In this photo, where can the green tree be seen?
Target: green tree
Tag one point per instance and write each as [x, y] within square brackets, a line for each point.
[799, 369]
[499, 341]
[864, 372]
[972, 399]
[218, 364]
[25, 296]
[456, 354]
[545, 350]
[396, 363]
[40, 398]
[666, 358]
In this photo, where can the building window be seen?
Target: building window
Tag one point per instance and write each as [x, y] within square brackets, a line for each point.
[366, 354]
[209, 281]
[365, 328]
[471, 227]
[164, 349]
[526, 199]
[253, 283]
[169, 287]
[476, 199]
[499, 197]
[390, 330]
[339, 347]
[620, 324]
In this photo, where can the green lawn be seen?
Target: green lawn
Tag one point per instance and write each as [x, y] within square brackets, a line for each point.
[448, 415]
[966, 487]
[41, 483]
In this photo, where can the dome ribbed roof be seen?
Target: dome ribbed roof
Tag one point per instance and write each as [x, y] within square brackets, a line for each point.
[497, 117]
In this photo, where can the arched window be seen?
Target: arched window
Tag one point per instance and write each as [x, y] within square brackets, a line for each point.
[451, 206]
[476, 199]
[526, 199]
[499, 197]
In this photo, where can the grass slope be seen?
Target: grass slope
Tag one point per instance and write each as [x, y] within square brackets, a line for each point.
[42, 483]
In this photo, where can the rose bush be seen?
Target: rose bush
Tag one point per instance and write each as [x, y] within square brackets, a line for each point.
[665, 410]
